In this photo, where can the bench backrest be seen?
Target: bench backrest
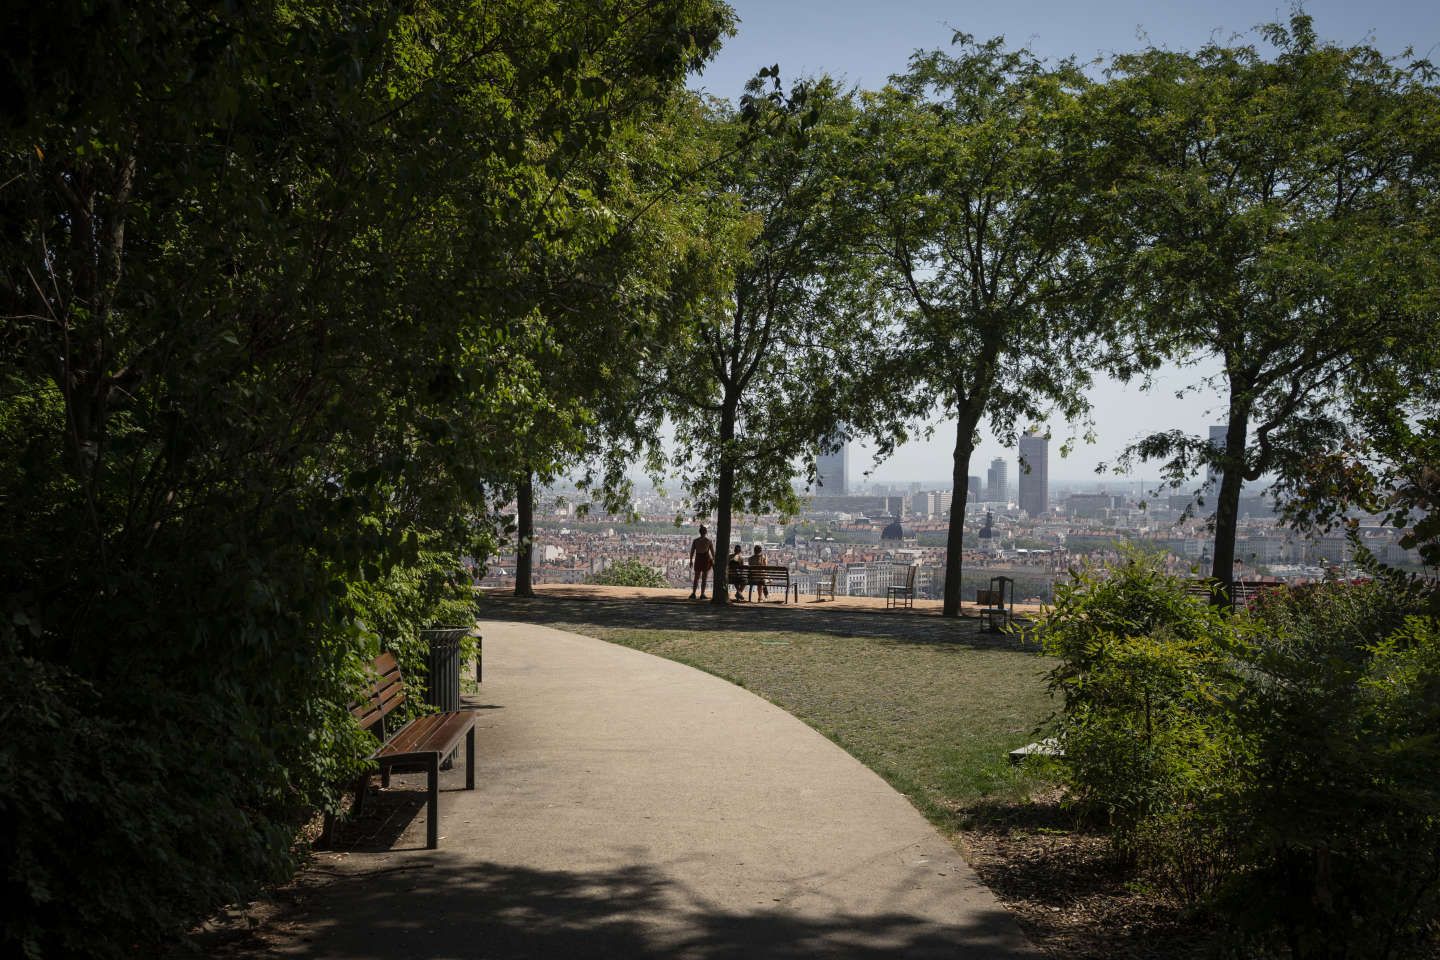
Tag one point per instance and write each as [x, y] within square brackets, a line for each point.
[386, 692]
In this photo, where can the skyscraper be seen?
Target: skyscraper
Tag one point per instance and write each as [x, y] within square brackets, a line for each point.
[974, 492]
[998, 481]
[830, 472]
[1217, 440]
[1034, 474]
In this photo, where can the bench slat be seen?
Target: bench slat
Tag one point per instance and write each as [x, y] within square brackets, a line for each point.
[432, 733]
[768, 576]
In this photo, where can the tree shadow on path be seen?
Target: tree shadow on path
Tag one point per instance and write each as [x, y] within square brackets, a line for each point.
[446, 906]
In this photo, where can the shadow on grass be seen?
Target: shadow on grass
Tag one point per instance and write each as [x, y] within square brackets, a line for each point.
[445, 906]
[804, 617]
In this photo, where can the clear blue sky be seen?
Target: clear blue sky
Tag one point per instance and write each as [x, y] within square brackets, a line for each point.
[865, 41]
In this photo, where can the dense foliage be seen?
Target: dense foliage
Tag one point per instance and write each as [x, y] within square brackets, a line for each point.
[1276, 766]
[629, 573]
[1276, 212]
[277, 283]
[297, 294]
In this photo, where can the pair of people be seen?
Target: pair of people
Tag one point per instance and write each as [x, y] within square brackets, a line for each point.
[702, 561]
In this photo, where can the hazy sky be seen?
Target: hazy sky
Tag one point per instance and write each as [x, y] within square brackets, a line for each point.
[865, 41]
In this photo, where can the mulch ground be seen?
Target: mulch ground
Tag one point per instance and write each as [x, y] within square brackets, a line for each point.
[1071, 895]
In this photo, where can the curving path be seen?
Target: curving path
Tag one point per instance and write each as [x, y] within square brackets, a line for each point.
[631, 807]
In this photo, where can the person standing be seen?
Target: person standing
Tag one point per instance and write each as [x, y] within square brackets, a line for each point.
[702, 561]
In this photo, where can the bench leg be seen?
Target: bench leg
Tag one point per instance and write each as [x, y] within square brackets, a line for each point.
[470, 759]
[432, 801]
[362, 786]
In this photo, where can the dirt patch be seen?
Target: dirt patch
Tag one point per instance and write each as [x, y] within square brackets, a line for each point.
[1070, 893]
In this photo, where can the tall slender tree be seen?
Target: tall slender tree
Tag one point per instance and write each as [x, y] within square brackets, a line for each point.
[757, 385]
[974, 172]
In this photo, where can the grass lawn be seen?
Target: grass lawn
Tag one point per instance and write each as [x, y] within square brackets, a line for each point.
[934, 719]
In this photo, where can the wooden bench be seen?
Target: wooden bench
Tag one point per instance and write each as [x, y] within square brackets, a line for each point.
[771, 577]
[424, 741]
[897, 595]
[822, 586]
[1242, 594]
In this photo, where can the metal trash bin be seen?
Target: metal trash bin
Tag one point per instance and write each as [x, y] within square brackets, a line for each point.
[442, 673]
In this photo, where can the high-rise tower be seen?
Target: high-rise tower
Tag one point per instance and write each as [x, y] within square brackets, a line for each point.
[830, 473]
[1034, 474]
[998, 481]
[1218, 434]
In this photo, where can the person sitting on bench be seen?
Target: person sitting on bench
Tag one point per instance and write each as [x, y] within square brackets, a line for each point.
[757, 579]
[735, 573]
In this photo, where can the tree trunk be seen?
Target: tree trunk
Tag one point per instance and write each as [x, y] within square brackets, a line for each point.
[525, 543]
[959, 496]
[1227, 505]
[724, 494]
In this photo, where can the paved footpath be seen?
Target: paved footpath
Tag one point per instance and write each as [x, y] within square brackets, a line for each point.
[627, 806]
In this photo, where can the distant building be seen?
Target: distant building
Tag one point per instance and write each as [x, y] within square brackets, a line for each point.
[934, 504]
[867, 505]
[1092, 505]
[830, 473]
[894, 532]
[998, 481]
[1218, 434]
[1034, 474]
[974, 488]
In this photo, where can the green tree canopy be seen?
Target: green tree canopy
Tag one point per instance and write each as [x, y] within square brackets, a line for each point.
[758, 384]
[1269, 216]
[270, 326]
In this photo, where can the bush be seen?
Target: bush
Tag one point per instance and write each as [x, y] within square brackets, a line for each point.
[1343, 839]
[1144, 672]
[96, 862]
[1277, 765]
[434, 591]
[628, 573]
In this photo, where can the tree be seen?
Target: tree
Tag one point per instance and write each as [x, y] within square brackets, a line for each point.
[263, 350]
[758, 383]
[617, 294]
[1267, 217]
[973, 169]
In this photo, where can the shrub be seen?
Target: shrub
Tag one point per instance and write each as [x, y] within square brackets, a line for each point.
[1343, 839]
[1279, 765]
[1143, 673]
[628, 573]
[433, 591]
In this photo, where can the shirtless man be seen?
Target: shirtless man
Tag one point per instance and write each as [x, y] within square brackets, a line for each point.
[702, 561]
